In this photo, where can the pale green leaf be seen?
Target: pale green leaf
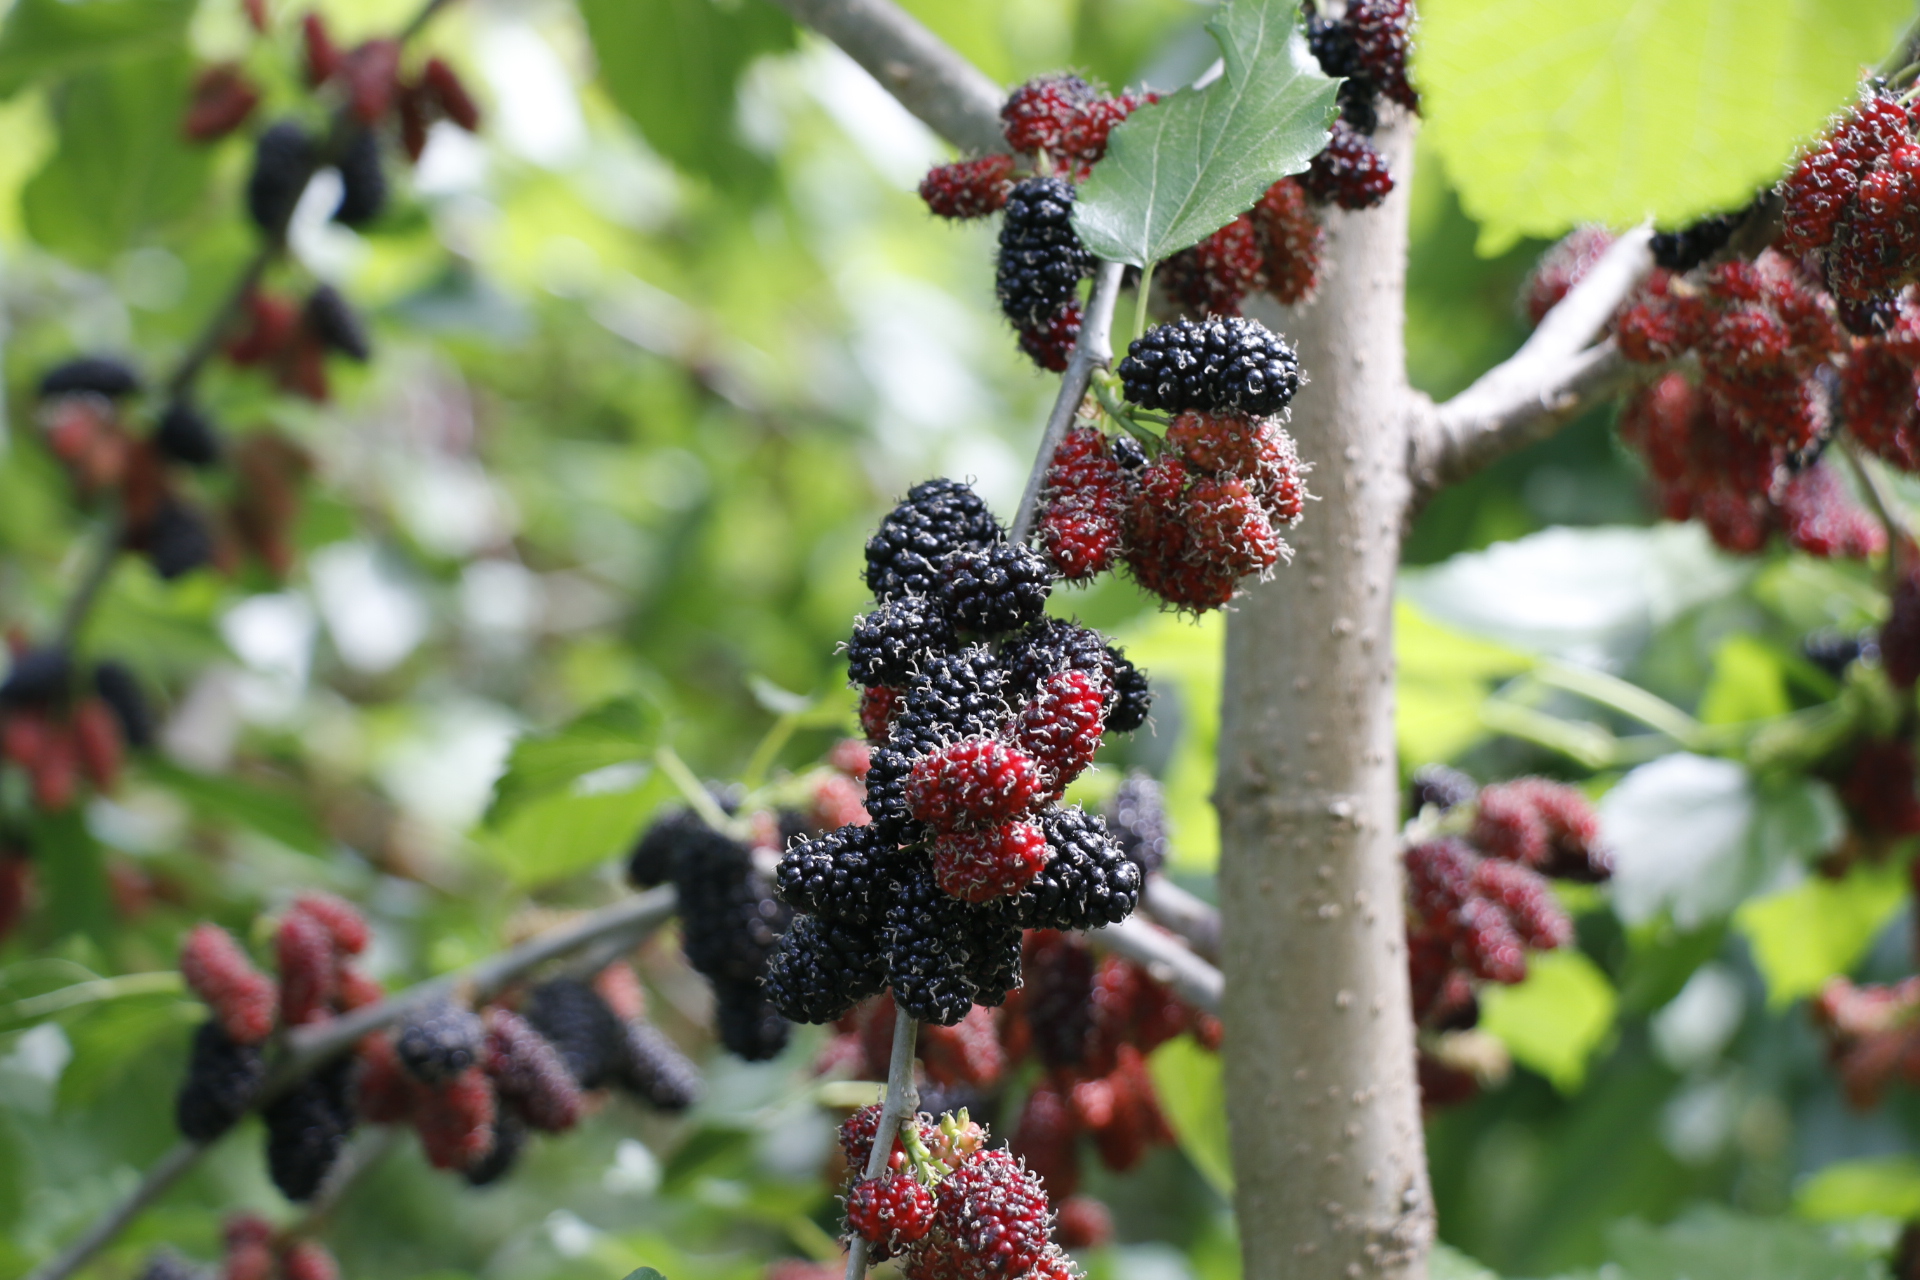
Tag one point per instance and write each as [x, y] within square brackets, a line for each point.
[1819, 928]
[1552, 114]
[1182, 168]
[1448, 1263]
[53, 37]
[1881, 1186]
[1193, 1094]
[1555, 1020]
[1749, 682]
[1715, 1244]
[563, 833]
[612, 734]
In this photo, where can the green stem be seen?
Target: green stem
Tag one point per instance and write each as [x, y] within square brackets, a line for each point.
[698, 798]
[768, 749]
[1140, 300]
[96, 991]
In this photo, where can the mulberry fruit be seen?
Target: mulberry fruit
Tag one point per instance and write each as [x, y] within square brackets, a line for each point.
[187, 436]
[891, 1211]
[729, 917]
[119, 688]
[284, 160]
[219, 972]
[573, 1018]
[654, 1069]
[974, 783]
[330, 318]
[749, 1024]
[177, 540]
[956, 695]
[455, 1120]
[927, 953]
[889, 645]
[1050, 345]
[1212, 365]
[1441, 787]
[1038, 116]
[936, 518]
[1562, 267]
[306, 1128]
[1693, 244]
[997, 1213]
[439, 1040]
[1041, 259]
[1060, 726]
[821, 969]
[1382, 32]
[846, 875]
[1350, 172]
[1213, 276]
[995, 589]
[1083, 496]
[1137, 817]
[1088, 882]
[1294, 242]
[223, 1082]
[977, 866]
[363, 182]
[1131, 701]
[968, 188]
[90, 375]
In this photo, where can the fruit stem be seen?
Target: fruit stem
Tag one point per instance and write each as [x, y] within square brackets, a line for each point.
[903, 1099]
[698, 798]
[1883, 503]
[1093, 351]
[1140, 300]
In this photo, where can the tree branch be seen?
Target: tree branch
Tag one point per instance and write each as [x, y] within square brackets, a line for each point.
[1550, 379]
[309, 1047]
[1094, 350]
[1167, 958]
[1172, 907]
[955, 98]
[903, 1099]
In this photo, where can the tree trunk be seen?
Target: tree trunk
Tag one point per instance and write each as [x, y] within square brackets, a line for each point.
[1321, 1096]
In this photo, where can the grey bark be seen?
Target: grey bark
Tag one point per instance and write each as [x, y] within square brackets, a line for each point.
[1329, 1161]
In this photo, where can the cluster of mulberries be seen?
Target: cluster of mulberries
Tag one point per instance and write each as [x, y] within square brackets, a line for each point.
[313, 947]
[1087, 1021]
[729, 916]
[1273, 248]
[948, 1205]
[1368, 47]
[1872, 1033]
[59, 726]
[1852, 200]
[1759, 330]
[292, 340]
[84, 424]
[1190, 523]
[1706, 466]
[1060, 124]
[1478, 901]
[474, 1085]
[981, 711]
[377, 91]
[251, 1250]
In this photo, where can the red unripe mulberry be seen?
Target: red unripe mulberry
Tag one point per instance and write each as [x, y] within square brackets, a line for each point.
[219, 972]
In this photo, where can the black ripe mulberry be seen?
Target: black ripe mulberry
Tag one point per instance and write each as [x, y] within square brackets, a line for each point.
[509, 1138]
[177, 540]
[936, 518]
[1050, 646]
[996, 589]
[223, 1081]
[306, 1128]
[821, 969]
[581, 1028]
[1088, 882]
[1041, 259]
[749, 1024]
[653, 856]
[729, 917]
[1693, 244]
[363, 183]
[332, 319]
[844, 875]
[92, 375]
[1214, 365]
[1350, 172]
[1137, 816]
[284, 160]
[886, 803]
[1439, 786]
[439, 1040]
[653, 1069]
[927, 953]
[187, 436]
[37, 678]
[119, 688]
[889, 644]
[1132, 698]
[956, 695]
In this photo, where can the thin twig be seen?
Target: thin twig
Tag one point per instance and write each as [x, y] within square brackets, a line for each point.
[1093, 351]
[105, 555]
[1167, 958]
[309, 1047]
[172, 1167]
[1884, 504]
[359, 1159]
[903, 1099]
[1172, 907]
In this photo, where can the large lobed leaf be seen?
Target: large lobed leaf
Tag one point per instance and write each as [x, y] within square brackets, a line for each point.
[1182, 168]
[1549, 113]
